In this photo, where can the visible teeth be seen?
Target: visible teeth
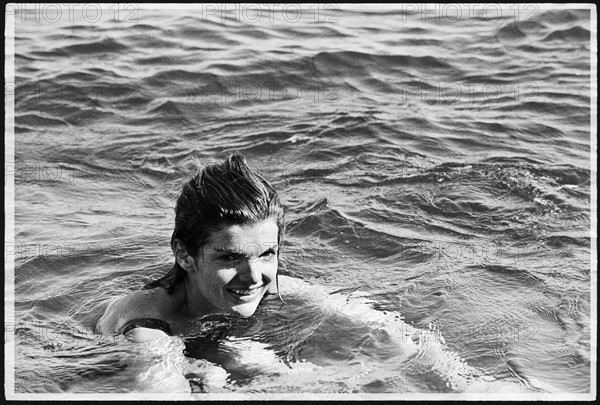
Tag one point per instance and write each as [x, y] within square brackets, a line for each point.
[245, 292]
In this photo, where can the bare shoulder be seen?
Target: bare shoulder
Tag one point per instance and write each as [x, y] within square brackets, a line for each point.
[154, 303]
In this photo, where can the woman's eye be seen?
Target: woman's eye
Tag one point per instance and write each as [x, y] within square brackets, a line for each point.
[228, 258]
[268, 255]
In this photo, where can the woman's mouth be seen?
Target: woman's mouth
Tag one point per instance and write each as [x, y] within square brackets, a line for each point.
[244, 294]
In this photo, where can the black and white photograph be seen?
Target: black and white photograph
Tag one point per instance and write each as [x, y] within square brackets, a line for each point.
[300, 201]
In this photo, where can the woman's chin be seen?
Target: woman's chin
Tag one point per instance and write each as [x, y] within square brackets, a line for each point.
[244, 310]
[244, 305]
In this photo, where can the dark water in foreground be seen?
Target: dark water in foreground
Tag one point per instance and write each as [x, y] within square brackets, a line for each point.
[436, 170]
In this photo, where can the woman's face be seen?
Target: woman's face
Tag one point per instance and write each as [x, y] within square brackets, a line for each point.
[235, 269]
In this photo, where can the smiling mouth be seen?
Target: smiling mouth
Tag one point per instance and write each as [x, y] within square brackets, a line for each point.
[242, 292]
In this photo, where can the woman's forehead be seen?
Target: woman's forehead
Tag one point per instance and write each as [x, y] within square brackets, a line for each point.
[261, 233]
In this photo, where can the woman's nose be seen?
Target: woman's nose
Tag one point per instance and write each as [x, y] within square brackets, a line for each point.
[251, 273]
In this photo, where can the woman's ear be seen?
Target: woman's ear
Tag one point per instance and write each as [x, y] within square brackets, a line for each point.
[182, 256]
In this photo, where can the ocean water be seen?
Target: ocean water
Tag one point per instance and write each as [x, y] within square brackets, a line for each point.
[435, 172]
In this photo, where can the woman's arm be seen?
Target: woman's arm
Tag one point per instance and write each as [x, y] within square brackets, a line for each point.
[157, 362]
[423, 346]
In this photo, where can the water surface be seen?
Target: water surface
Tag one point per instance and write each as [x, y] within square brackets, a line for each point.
[438, 170]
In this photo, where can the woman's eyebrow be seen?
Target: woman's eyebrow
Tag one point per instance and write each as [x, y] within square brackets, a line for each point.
[225, 250]
[238, 252]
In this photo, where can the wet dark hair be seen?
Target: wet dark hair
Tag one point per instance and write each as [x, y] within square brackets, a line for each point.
[219, 195]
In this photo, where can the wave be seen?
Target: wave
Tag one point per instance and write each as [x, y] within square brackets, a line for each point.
[572, 34]
[563, 16]
[314, 32]
[169, 108]
[343, 60]
[510, 32]
[38, 120]
[106, 45]
[145, 27]
[543, 107]
[560, 241]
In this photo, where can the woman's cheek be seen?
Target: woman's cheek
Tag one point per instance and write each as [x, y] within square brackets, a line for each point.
[272, 272]
[226, 275]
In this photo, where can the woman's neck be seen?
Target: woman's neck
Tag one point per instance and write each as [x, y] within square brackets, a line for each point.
[193, 303]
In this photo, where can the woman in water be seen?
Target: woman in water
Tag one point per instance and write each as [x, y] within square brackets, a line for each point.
[229, 226]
